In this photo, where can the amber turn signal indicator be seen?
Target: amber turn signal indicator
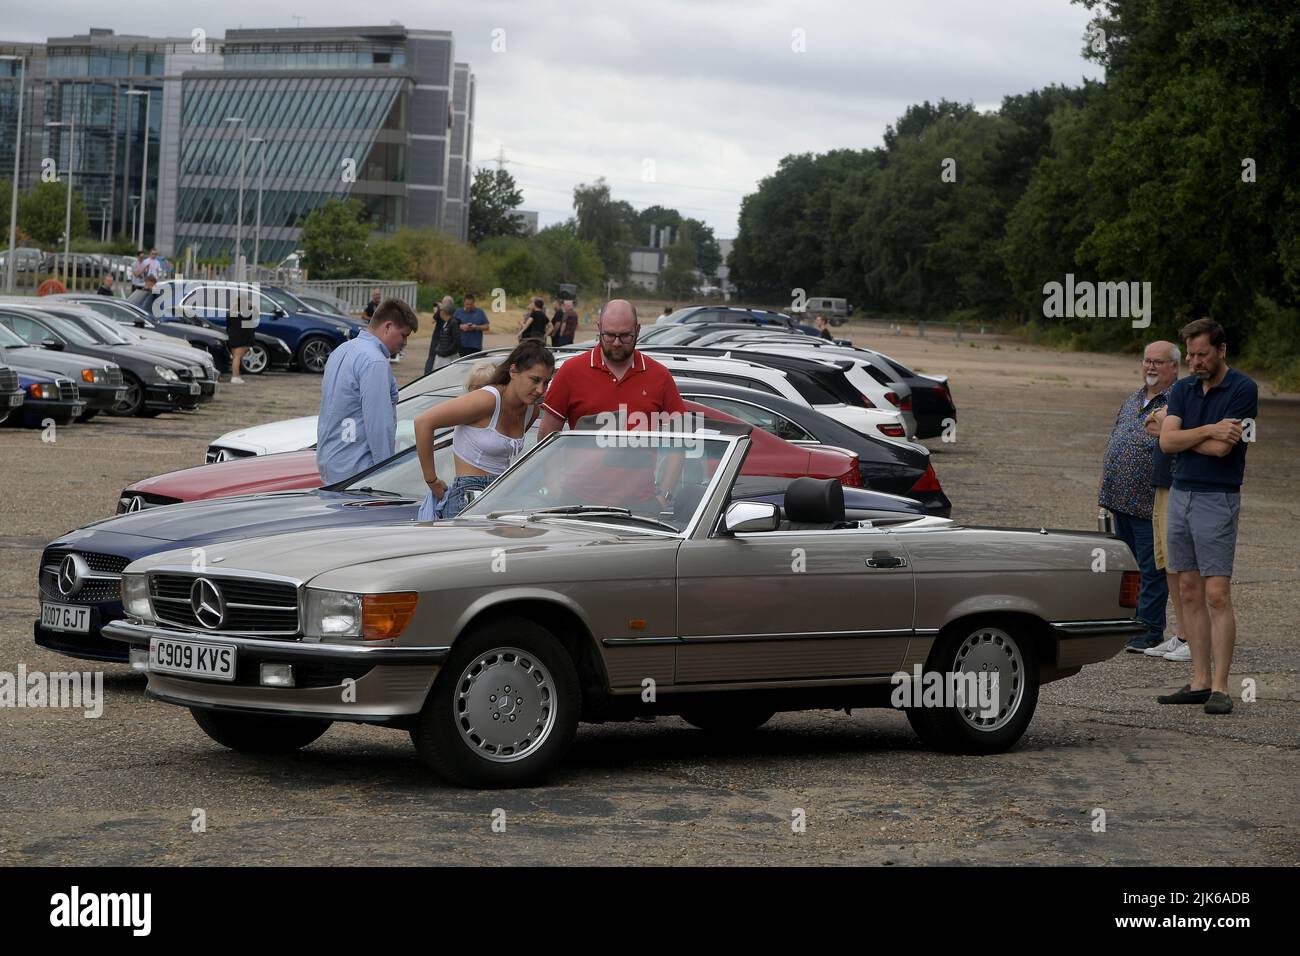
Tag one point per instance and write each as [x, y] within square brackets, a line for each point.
[384, 616]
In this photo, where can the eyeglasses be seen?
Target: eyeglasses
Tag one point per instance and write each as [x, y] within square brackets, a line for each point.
[1155, 361]
[618, 336]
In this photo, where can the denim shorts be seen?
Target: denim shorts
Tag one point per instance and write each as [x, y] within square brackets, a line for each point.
[457, 492]
[1202, 531]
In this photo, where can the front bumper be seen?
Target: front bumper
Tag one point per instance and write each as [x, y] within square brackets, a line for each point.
[100, 398]
[171, 396]
[91, 646]
[35, 411]
[388, 682]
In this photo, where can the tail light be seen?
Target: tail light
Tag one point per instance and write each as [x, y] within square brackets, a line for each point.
[947, 395]
[929, 481]
[905, 403]
[870, 403]
[892, 431]
[1129, 587]
[893, 398]
[853, 477]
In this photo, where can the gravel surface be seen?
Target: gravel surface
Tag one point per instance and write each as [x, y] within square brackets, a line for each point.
[1175, 786]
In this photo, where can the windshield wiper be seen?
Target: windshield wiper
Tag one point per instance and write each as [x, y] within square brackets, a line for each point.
[367, 490]
[580, 510]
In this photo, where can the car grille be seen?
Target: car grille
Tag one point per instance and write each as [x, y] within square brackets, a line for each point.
[252, 606]
[127, 501]
[68, 390]
[92, 591]
[113, 376]
[8, 380]
[218, 453]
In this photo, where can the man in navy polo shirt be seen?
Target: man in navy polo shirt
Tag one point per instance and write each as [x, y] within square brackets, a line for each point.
[1210, 420]
[473, 323]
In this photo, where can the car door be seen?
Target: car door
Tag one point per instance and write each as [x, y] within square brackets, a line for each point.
[211, 303]
[784, 606]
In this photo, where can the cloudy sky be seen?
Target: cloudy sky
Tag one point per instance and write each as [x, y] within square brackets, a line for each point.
[684, 103]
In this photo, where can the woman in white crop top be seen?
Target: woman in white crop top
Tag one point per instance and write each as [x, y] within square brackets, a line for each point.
[490, 425]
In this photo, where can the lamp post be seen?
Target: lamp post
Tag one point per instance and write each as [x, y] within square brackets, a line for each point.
[67, 212]
[261, 174]
[103, 219]
[144, 164]
[239, 213]
[13, 199]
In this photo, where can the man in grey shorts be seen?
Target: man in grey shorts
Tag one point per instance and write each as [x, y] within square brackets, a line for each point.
[1211, 419]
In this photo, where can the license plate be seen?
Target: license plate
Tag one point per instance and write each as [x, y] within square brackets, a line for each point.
[65, 617]
[192, 658]
[15, 399]
[194, 388]
[119, 395]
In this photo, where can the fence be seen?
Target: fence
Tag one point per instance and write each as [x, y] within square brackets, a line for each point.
[355, 293]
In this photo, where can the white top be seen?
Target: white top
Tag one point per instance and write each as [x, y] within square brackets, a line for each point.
[486, 448]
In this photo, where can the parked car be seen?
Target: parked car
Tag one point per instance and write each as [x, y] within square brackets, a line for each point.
[99, 384]
[125, 313]
[311, 336]
[154, 384]
[47, 397]
[285, 471]
[77, 604]
[267, 352]
[11, 393]
[835, 310]
[26, 259]
[885, 465]
[319, 301]
[491, 672]
[738, 314]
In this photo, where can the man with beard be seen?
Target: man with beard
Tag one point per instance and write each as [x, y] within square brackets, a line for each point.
[615, 377]
[1211, 418]
[1126, 488]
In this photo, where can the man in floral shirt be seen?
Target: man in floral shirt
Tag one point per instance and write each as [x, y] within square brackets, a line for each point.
[1126, 485]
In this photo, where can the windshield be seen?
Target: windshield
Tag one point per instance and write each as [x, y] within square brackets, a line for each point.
[69, 331]
[411, 407]
[10, 341]
[611, 477]
[99, 330]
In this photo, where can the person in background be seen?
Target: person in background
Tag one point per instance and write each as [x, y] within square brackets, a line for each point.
[535, 322]
[568, 325]
[1126, 487]
[137, 271]
[106, 284]
[822, 328]
[372, 304]
[1162, 476]
[446, 341]
[153, 266]
[431, 362]
[357, 425]
[1211, 419]
[473, 323]
[145, 297]
[668, 310]
[557, 320]
[490, 425]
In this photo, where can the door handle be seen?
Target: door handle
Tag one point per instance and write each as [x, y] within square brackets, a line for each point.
[883, 559]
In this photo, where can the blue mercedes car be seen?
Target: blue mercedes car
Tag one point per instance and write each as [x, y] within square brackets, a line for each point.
[80, 572]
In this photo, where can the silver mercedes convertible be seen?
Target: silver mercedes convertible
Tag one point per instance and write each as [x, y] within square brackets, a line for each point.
[608, 574]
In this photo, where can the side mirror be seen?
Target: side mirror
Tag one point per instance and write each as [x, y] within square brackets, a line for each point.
[747, 516]
[54, 345]
[139, 323]
[278, 312]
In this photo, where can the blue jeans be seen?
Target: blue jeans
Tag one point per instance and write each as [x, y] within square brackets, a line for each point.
[457, 499]
[1137, 534]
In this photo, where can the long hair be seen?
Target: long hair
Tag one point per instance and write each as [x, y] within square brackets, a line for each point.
[526, 354]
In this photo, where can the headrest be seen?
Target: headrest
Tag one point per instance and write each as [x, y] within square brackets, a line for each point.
[814, 501]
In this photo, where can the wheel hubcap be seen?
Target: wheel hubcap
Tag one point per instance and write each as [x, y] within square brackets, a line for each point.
[254, 360]
[505, 704]
[987, 652]
[315, 355]
[130, 401]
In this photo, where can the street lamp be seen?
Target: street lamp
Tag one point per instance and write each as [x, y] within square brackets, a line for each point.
[13, 199]
[144, 162]
[103, 219]
[261, 174]
[67, 212]
[239, 213]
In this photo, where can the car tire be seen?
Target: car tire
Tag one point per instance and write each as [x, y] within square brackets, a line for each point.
[88, 414]
[253, 734]
[728, 718]
[971, 648]
[255, 360]
[313, 352]
[462, 733]
[133, 403]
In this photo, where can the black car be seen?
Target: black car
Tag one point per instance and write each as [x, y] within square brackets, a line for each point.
[11, 392]
[125, 313]
[153, 384]
[820, 382]
[730, 314]
[100, 384]
[932, 402]
[886, 466]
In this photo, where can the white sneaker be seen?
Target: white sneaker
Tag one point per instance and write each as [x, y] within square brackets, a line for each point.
[1182, 653]
[236, 380]
[1160, 650]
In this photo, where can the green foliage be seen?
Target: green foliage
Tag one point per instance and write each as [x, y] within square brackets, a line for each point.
[493, 198]
[678, 276]
[334, 240]
[42, 211]
[604, 222]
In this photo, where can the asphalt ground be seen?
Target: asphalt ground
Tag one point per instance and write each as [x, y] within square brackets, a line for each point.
[1103, 776]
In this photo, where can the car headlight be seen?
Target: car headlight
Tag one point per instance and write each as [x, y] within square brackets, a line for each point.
[371, 617]
[42, 390]
[196, 371]
[135, 596]
[92, 375]
[166, 374]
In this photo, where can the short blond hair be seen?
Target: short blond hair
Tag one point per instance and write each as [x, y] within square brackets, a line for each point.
[481, 374]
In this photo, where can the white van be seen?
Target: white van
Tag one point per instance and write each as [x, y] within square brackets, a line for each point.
[831, 308]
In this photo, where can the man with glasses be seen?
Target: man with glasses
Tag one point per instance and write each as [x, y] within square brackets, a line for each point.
[1126, 486]
[615, 377]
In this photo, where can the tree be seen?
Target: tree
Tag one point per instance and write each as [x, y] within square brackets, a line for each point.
[602, 221]
[334, 240]
[42, 211]
[564, 258]
[678, 276]
[493, 199]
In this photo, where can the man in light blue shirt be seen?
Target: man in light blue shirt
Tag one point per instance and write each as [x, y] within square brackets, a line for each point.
[473, 323]
[357, 426]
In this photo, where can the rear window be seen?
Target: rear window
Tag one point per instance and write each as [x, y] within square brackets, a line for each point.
[826, 388]
[737, 380]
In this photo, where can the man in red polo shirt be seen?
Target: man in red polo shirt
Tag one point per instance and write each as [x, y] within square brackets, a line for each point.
[615, 377]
